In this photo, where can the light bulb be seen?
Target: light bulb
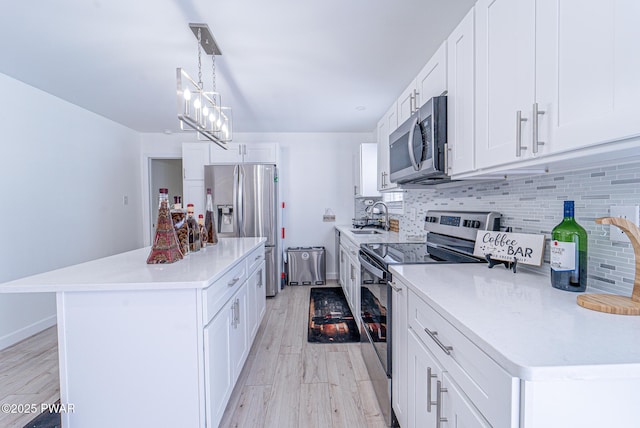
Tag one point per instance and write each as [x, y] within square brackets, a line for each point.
[205, 111]
[211, 118]
[187, 94]
[197, 104]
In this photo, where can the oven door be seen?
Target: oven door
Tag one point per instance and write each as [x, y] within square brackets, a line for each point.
[375, 316]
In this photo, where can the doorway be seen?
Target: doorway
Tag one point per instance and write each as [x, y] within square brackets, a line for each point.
[165, 173]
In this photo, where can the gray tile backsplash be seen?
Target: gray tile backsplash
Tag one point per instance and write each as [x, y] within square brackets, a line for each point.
[534, 204]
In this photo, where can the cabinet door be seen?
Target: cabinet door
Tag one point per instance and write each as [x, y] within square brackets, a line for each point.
[218, 364]
[587, 62]
[461, 96]
[232, 155]
[239, 334]
[368, 169]
[407, 103]
[423, 373]
[194, 157]
[387, 124]
[505, 63]
[399, 344]
[194, 194]
[456, 408]
[256, 300]
[432, 79]
[260, 153]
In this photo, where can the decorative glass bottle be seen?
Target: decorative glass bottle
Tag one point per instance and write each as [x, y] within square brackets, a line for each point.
[165, 248]
[209, 223]
[194, 230]
[569, 253]
[203, 231]
[179, 218]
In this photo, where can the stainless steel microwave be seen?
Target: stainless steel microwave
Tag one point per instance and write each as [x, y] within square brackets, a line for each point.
[418, 148]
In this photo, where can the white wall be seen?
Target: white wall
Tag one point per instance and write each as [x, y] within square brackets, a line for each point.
[64, 172]
[316, 172]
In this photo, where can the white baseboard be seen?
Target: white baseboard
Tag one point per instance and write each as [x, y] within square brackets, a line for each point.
[21, 334]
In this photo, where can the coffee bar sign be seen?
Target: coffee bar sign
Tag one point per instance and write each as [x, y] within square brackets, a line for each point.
[526, 248]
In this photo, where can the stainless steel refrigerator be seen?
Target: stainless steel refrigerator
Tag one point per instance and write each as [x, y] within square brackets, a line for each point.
[245, 201]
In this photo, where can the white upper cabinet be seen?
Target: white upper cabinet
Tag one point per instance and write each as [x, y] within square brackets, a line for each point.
[461, 96]
[505, 64]
[430, 82]
[554, 76]
[244, 153]
[387, 124]
[365, 170]
[587, 63]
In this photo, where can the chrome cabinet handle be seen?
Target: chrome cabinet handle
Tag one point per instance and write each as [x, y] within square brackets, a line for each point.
[415, 100]
[233, 281]
[233, 315]
[519, 146]
[260, 279]
[433, 334]
[439, 418]
[429, 401]
[411, 101]
[237, 312]
[536, 119]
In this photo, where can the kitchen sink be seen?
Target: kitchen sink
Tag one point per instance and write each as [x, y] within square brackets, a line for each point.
[365, 232]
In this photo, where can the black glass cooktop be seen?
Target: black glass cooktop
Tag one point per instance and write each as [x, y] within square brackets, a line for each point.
[420, 253]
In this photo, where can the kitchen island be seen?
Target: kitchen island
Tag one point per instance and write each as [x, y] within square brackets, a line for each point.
[510, 350]
[154, 345]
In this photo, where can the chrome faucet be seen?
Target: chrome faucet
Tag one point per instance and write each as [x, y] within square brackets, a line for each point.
[386, 213]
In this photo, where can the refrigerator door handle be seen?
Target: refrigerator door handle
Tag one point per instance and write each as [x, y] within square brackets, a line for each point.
[236, 207]
[241, 231]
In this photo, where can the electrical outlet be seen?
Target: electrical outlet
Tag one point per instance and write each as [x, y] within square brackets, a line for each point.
[629, 212]
[125, 200]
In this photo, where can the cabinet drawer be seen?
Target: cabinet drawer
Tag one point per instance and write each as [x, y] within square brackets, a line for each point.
[488, 386]
[217, 294]
[254, 259]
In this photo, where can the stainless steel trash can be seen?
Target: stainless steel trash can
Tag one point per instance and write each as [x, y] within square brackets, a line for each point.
[306, 266]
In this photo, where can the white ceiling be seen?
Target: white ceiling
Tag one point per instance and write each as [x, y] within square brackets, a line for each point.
[286, 65]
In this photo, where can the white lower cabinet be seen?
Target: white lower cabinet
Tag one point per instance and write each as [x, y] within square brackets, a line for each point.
[451, 378]
[231, 329]
[350, 275]
[399, 345]
[218, 365]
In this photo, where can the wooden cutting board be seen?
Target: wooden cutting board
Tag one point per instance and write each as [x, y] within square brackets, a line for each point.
[611, 303]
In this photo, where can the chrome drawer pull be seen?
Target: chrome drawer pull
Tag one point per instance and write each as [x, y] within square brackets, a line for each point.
[233, 281]
[433, 334]
[429, 401]
[519, 146]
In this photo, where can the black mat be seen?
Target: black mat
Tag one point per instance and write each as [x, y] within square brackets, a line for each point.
[330, 319]
[45, 420]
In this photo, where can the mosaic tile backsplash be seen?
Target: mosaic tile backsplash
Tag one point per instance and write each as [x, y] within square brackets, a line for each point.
[534, 204]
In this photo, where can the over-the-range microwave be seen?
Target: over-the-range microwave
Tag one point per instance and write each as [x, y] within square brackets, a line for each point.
[418, 148]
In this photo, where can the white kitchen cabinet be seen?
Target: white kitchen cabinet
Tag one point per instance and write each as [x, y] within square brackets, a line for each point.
[423, 373]
[194, 157]
[400, 344]
[386, 126]
[554, 76]
[256, 299]
[430, 82]
[587, 62]
[505, 65]
[456, 408]
[240, 335]
[365, 170]
[244, 153]
[194, 193]
[350, 275]
[461, 96]
[218, 364]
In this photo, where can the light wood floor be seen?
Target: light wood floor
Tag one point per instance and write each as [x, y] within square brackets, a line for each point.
[29, 375]
[286, 381]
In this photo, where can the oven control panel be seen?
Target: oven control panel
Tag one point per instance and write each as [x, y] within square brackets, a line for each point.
[461, 224]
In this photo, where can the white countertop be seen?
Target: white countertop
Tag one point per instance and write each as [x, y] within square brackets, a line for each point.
[534, 331]
[384, 237]
[130, 271]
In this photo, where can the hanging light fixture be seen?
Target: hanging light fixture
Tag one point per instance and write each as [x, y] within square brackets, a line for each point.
[200, 110]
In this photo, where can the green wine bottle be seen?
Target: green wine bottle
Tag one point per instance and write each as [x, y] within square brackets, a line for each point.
[569, 253]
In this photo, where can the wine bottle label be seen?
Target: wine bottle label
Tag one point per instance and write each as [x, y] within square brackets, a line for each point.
[563, 256]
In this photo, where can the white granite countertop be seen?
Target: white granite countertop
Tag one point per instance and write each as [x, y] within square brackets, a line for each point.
[383, 237]
[130, 271]
[534, 331]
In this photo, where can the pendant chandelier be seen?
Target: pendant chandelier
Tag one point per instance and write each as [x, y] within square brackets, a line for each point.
[200, 110]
